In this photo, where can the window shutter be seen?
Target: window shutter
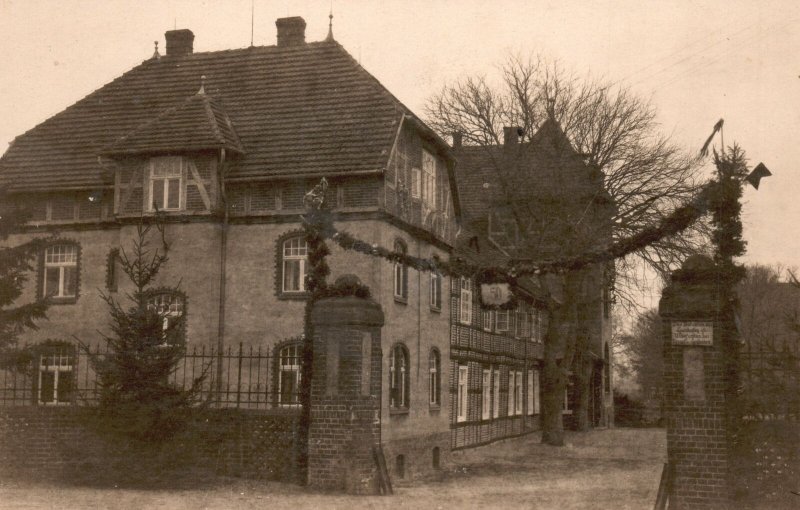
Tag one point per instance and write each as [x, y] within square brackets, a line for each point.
[416, 184]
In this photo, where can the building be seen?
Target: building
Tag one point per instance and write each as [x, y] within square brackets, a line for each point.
[547, 183]
[223, 147]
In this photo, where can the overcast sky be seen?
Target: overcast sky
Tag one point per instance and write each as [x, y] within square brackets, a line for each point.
[696, 60]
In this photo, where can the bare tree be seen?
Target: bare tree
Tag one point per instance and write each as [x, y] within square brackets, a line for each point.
[640, 177]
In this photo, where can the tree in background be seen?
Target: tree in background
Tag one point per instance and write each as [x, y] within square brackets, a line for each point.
[145, 348]
[644, 175]
[15, 266]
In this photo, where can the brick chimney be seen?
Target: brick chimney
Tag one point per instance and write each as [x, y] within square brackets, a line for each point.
[511, 135]
[179, 42]
[291, 31]
[457, 139]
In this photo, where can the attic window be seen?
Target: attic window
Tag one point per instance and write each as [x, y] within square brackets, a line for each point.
[166, 184]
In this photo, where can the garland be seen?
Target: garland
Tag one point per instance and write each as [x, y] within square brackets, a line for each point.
[678, 221]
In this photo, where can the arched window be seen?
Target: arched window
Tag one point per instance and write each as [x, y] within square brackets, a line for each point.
[294, 253]
[400, 273]
[434, 378]
[289, 375]
[60, 272]
[170, 306]
[399, 377]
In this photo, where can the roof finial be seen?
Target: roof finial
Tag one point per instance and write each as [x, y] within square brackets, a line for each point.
[202, 90]
[155, 53]
[330, 25]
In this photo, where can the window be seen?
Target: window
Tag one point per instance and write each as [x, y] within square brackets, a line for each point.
[510, 395]
[295, 255]
[501, 320]
[428, 180]
[289, 375]
[487, 319]
[56, 377]
[400, 274]
[465, 309]
[519, 327]
[486, 401]
[60, 271]
[533, 392]
[170, 307]
[166, 184]
[496, 394]
[436, 291]
[434, 378]
[461, 412]
[399, 377]
[518, 393]
[416, 178]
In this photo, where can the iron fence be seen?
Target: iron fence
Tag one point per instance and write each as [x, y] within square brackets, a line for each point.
[245, 377]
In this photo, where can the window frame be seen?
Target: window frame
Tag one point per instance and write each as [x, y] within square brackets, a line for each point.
[487, 320]
[507, 315]
[400, 274]
[465, 301]
[294, 369]
[434, 379]
[496, 393]
[63, 353]
[436, 291]
[41, 284]
[462, 393]
[510, 397]
[280, 266]
[168, 314]
[399, 378]
[486, 394]
[518, 393]
[181, 178]
[428, 180]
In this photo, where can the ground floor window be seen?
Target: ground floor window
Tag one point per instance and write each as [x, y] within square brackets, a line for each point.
[56, 378]
[462, 398]
[496, 393]
[289, 375]
[518, 393]
[486, 400]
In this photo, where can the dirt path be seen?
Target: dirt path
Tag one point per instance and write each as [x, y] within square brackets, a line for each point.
[614, 469]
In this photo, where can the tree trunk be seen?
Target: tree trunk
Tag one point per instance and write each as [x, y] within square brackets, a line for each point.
[583, 389]
[559, 350]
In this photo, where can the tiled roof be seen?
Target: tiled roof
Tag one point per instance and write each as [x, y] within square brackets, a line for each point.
[198, 123]
[308, 109]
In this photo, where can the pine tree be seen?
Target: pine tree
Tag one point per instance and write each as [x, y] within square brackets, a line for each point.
[137, 398]
[16, 264]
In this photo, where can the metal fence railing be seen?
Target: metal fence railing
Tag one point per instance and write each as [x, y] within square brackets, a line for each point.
[245, 377]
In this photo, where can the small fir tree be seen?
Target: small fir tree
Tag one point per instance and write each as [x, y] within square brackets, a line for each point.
[144, 350]
[16, 264]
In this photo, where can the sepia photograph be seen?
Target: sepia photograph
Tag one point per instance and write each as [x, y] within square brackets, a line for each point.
[444, 254]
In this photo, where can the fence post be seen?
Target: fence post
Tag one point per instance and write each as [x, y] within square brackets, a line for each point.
[345, 394]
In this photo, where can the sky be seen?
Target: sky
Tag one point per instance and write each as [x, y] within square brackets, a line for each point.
[696, 61]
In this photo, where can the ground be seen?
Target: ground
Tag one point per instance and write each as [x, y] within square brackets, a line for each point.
[616, 468]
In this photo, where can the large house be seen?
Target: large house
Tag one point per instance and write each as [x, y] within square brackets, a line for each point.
[223, 146]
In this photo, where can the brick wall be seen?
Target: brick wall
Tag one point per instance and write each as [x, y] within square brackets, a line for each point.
[63, 443]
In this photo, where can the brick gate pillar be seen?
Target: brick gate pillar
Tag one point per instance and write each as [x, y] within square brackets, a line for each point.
[694, 386]
[345, 394]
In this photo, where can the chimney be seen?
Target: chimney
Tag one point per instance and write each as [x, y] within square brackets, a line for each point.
[511, 135]
[179, 42]
[457, 139]
[291, 31]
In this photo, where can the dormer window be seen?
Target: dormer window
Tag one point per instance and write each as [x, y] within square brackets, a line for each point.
[166, 184]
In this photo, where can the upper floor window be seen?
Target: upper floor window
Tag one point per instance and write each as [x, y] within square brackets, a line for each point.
[465, 308]
[436, 291]
[166, 184]
[170, 307]
[400, 273]
[428, 180]
[289, 375]
[295, 256]
[399, 377]
[60, 271]
[502, 320]
[434, 378]
[487, 317]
